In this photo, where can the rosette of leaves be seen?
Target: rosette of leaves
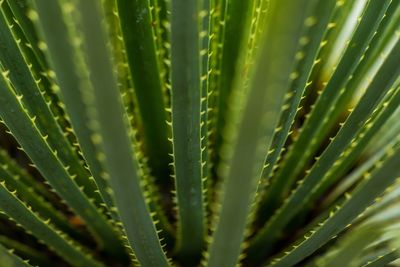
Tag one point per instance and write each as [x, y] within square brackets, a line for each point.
[213, 133]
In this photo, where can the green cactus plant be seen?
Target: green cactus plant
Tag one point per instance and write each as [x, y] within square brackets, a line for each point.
[214, 133]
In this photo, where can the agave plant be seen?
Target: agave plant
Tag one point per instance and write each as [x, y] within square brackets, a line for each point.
[199, 133]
